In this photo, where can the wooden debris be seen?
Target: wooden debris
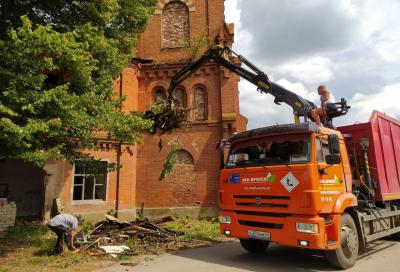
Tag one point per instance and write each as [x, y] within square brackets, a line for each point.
[115, 231]
[87, 246]
[162, 220]
[114, 219]
[96, 228]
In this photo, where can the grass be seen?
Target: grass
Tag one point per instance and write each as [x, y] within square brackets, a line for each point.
[32, 245]
[32, 235]
[29, 247]
[195, 229]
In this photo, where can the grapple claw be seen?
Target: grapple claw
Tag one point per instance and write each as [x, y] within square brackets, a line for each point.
[166, 115]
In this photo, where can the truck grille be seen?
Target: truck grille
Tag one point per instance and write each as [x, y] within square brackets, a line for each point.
[270, 214]
[271, 205]
[260, 224]
[261, 201]
[261, 196]
[262, 211]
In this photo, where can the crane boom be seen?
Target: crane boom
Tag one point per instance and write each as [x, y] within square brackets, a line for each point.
[171, 116]
[221, 55]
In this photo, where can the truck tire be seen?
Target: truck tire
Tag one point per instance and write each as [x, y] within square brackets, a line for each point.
[253, 245]
[346, 255]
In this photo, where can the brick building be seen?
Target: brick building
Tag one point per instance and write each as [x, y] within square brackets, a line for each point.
[177, 32]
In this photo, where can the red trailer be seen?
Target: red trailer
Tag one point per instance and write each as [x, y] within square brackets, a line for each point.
[382, 135]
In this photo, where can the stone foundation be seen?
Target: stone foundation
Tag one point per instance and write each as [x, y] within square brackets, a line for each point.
[8, 211]
[191, 212]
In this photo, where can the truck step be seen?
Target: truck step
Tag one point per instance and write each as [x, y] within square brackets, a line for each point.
[328, 222]
[330, 243]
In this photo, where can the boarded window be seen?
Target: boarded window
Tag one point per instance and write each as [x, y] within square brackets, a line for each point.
[180, 96]
[175, 25]
[200, 105]
[159, 95]
[184, 157]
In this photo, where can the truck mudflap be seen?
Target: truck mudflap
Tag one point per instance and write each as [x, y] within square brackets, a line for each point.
[282, 230]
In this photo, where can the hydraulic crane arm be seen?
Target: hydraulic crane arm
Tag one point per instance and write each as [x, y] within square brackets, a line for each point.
[172, 116]
[220, 54]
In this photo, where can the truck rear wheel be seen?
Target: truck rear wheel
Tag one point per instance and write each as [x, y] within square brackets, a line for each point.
[253, 245]
[346, 255]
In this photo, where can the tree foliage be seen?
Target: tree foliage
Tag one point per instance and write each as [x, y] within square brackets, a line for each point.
[58, 60]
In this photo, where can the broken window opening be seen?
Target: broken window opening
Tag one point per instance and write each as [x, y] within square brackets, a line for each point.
[89, 187]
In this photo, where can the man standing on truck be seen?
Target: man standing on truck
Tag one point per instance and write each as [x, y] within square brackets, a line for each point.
[65, 226]
[327, 104]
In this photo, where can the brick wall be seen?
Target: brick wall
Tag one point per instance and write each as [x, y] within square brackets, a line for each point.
[205, 20]
[189, 185]
[121, 186]
[24, 186]
[8, 211]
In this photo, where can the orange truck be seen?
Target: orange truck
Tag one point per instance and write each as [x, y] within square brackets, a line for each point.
[311, 187]
[303, 185]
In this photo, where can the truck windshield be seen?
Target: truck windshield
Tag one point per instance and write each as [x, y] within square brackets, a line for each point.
[291, 149]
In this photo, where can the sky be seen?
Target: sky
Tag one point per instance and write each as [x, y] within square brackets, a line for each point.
[351, 46]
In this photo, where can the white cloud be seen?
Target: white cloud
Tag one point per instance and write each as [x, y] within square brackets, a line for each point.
[232, 13]
[260, 108]
[243, 39]
[299, 89]
[283, 30]
[389, 49]
[311, 70]
[381, 27]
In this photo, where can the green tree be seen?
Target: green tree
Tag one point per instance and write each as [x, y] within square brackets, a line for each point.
[58, 60]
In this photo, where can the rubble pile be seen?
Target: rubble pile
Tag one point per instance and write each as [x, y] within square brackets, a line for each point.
[115, 231]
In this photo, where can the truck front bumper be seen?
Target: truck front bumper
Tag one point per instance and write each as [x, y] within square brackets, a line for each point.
[281, 230]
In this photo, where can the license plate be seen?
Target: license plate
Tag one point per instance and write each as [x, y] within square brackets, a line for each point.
[259, 235]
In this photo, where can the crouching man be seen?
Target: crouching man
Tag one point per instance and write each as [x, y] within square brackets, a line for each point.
[65, 227]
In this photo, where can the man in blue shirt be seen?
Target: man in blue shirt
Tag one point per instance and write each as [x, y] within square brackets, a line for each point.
[65, 226]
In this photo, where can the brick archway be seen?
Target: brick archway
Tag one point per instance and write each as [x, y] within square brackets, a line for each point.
[163, 3]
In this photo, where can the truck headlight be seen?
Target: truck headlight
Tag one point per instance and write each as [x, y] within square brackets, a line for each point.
[225, 219]
[307, 228]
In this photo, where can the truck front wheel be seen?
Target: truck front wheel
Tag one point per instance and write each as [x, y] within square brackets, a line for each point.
[253, 245]
[346, 255]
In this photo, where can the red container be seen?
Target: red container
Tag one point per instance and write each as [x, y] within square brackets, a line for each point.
[383, 134]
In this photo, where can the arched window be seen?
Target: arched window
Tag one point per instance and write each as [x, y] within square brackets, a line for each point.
[184, 157]
[159, 95]
[175, 25]
[180, 96]
[200, 104]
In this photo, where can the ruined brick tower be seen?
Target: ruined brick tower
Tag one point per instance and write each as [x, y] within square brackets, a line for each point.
[178, 32]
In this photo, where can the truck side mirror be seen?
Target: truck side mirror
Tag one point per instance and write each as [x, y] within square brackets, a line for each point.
[221, 147]
[334, 144]
[333, 159]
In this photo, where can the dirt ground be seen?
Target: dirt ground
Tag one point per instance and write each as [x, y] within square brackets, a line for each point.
[31, 258]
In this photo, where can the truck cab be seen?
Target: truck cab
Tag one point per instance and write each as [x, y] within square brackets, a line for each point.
[288, 184]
